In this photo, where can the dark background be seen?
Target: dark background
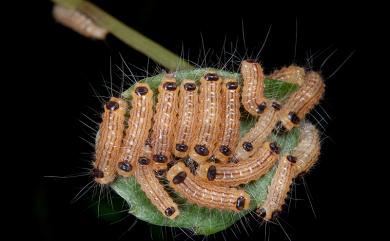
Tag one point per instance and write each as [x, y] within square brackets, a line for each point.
[61, 66]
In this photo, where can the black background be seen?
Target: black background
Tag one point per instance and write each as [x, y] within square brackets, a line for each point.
[61, 66]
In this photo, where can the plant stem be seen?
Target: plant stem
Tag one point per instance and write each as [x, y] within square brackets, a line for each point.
[128, 35]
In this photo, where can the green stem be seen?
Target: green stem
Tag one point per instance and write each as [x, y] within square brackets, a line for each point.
[128, 35]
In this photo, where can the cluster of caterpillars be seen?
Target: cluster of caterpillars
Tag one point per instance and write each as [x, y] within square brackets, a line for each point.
[197, 122]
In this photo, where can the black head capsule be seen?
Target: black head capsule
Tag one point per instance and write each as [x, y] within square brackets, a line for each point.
[274, 147]
[291, 159]
[125, 166]
[201, 150]
[160, 158]
[240, 203]
[179, 178]
[211, 173]
[293, 117]
[231, 85]
[280, 128]
[247, 146]
[112, 105]
[143, 161]
[211, 77]
[141, 90]
[170, 211]
[225, 150]
[190, 86]
[171, 86]
[97, 173]
[261, 107]
[181, 147]
[261, 212]
[276, 105]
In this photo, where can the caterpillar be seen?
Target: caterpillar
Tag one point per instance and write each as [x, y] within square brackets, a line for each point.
[138, 125]
[209, 113]
[253, 99]
[109, 140]
[232, 174]
[292, 74]
[231, 122]
[205, 194]
[164, 119]
[277, 191]
[308, 149]
[152, 188]
[188, 106]
[301, 102]
[78, 22]
[301, 159]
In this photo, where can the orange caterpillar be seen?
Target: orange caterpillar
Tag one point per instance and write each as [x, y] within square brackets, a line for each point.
[204, 193]
[293, 74]
[78, 22]
[253, 88]
[188, 107]
[301, 102]
[165, 119]
[206, 136]
[302, 158]
[151, 186]
[109, 141]
[232, 174]
[139, 123]
[231, 121]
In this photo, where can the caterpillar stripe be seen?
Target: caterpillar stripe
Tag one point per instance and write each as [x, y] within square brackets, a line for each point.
[230, 121]
[209, 113]
[165, 119]
[138, 126]
[205, 194]
[187, 119]
[78, 22]
[231, 174]
[109, 140]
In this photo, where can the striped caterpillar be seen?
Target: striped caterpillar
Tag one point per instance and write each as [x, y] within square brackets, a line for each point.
[78, 22]
[302, 158]
[205, 194]
[197, 117]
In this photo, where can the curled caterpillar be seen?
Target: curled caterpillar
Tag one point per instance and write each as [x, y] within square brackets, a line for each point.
[301, 102]
[292, 74]
[205, 194]
[232, 174]
[138, 125]
[79, 22]
[252, 92]
[109, 140]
